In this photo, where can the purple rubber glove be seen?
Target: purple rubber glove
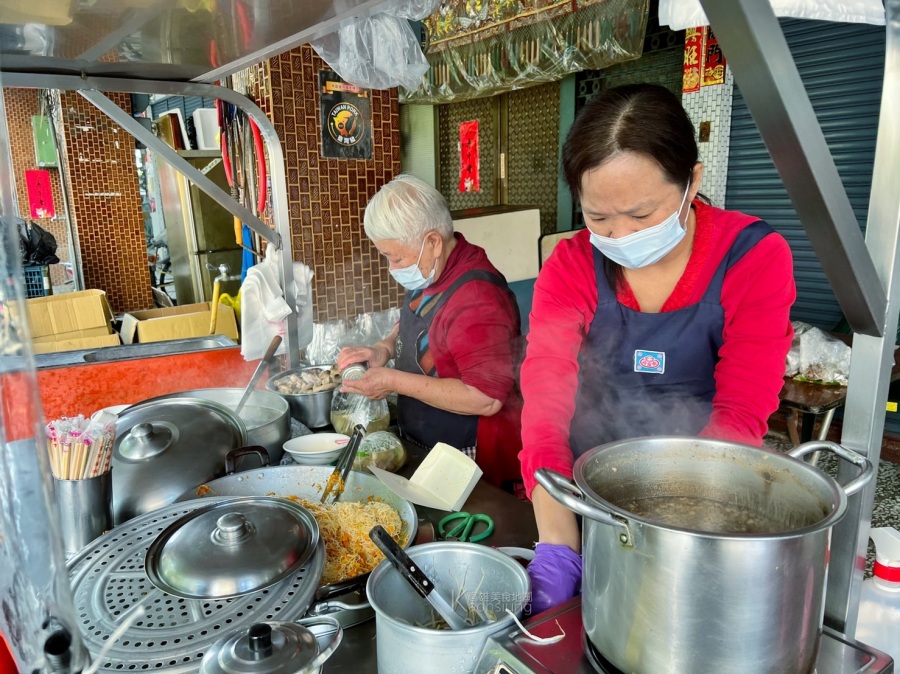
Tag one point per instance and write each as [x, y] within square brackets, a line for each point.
[555, 575]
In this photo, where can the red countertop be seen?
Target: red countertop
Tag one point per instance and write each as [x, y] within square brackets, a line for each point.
[84, 389]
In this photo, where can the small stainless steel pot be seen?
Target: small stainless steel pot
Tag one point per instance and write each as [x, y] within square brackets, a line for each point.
[665, 598]
[300, 647]
[310, 409]
[482, 578]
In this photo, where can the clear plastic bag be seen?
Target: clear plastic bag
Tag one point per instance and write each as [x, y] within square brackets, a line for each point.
[381, 449]
[379, 51]
[329, 338]
[350, 409]
[817, 357]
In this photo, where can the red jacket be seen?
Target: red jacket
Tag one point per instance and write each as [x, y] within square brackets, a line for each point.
[474, 338]
[757, 295]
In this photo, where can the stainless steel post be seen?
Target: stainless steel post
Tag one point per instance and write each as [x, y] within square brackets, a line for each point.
[863, 277]
[277, 174]
[764, 69]
[34, 585]
[872, 357]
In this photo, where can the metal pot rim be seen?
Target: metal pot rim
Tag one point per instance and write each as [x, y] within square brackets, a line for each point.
[385, 567]
[838, 500]
[220, 409]
[270, 382]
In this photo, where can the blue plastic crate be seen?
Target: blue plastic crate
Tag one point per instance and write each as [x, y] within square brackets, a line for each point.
[37, 281]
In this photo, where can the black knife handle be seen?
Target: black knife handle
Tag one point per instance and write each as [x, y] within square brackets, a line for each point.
[401, 560]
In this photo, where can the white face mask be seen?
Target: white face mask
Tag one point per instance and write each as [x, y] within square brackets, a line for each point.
[646, 247]
[411, 277]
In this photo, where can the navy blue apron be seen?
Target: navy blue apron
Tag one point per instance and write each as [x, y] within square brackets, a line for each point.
[646, 374]
[418, 421]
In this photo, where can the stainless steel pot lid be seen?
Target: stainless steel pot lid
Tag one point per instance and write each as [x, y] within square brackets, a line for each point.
[274, 648]
[232, 547]
[163, 448]
[148, 429]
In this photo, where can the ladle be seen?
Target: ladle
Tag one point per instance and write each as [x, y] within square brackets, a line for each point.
[416, 577]
[263, 364]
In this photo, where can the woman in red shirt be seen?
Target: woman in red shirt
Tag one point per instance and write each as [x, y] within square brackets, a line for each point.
[665, 316]
[455, 344]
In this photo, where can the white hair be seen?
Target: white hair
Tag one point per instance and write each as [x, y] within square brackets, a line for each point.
[406, 209]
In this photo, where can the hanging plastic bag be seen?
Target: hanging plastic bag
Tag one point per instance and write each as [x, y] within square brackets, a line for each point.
[37, 244]
[379, 51]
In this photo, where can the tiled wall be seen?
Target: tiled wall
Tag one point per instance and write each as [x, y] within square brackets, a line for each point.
[106, 203]
[327, 197]
[21, 105]
[713, 104]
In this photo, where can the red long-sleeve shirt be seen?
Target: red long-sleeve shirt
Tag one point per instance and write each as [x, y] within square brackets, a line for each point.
[474, 338]
[757, 295]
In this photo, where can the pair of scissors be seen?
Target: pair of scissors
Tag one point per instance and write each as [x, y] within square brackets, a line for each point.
[451, 530]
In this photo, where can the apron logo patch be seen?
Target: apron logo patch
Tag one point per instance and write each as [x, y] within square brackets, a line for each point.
[651, 362]
[399, 347]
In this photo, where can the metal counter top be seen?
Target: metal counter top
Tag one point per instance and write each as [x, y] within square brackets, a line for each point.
[109, 354]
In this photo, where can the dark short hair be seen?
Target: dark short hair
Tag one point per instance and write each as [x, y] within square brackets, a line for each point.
[647, 119]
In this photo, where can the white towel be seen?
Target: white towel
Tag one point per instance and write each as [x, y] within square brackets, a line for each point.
[264, 311]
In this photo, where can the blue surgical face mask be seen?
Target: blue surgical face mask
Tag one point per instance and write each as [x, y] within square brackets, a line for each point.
[646, 247]
[411, 277]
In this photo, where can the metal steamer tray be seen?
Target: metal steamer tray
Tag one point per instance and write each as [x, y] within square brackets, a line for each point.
[110, 585]
[510, 652]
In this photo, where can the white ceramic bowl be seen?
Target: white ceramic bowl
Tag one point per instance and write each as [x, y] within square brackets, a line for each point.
[318, 449]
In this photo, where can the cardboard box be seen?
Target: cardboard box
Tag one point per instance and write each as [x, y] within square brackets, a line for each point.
[56, 343]
[69, 313]
[77, 334]
[182, 322]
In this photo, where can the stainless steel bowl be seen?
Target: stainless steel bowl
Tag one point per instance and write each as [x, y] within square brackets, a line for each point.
[311, 409]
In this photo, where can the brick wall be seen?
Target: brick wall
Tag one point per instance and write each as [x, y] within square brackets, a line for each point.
[21, 105]
[106, 203]
[326, 197]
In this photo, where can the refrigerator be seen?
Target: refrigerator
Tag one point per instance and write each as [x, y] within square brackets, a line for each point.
[199, 230]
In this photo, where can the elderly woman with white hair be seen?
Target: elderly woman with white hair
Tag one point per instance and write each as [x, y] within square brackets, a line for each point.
[455, 343]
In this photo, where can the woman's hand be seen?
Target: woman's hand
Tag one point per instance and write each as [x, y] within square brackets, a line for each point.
[375, 384]
[555, 574]
[555, 571]
[355, 354]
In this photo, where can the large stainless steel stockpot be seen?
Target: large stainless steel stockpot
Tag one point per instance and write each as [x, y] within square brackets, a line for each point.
[660, 597]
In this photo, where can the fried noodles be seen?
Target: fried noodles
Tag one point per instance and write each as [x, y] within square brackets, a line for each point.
[344, 527]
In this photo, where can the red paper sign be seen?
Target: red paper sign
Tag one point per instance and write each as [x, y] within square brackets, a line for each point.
[469, 180]
[713, 61]
[40, 195]
[693, 54]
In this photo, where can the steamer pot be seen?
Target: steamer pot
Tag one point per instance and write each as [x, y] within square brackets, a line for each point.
[662, 597]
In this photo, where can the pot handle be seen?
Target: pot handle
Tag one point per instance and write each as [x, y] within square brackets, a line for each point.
[867, 470]
[336, 638]
[567, 492]
[253, 450]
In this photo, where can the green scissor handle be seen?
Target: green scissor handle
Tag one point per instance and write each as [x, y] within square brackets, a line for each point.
[462, 531]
